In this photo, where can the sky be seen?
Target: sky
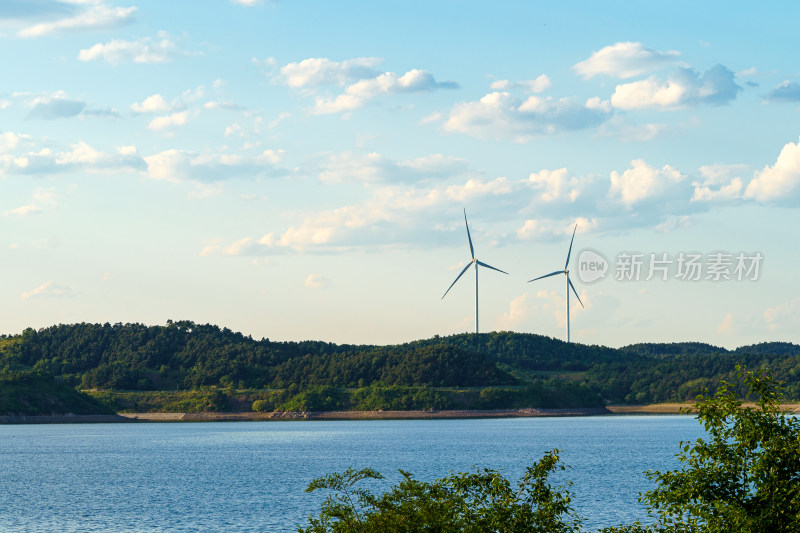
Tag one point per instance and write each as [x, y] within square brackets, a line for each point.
[300, 170]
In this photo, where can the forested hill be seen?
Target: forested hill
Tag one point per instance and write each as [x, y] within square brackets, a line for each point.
[184, 355]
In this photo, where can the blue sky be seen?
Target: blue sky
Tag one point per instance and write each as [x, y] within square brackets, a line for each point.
[299, 170]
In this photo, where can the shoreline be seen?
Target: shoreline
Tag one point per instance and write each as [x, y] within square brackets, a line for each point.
[249, 416]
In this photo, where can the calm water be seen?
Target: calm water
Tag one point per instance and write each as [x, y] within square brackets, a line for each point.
[250, 476]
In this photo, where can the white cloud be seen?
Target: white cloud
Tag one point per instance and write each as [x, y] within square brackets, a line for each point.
[82, 157]
[317, 71]
[89, 16]
[56, 105]
[517, 313]
[726, 326]
[782, 314]
[179, 165]
[685, 87]
[787, 91]
[643, 182]
[359, 76]
[23, 211]
[168, 121]
[317, 281]
[357, 94]
[373, 167]
[228, 106]
[625, 60]
[550, 229]
[11, 141]
[159, 49]
[49, 289]
[539, 85]
[778, 183]
[499, 115]
[152, 104]
[401, 207]
[430, 119]
[719, 183]
[553, 185]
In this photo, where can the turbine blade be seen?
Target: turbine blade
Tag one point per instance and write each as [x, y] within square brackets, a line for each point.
[570, 247]
[471, 249]
[481, 263]
[576, 292]
[457, 278]
[547, 275]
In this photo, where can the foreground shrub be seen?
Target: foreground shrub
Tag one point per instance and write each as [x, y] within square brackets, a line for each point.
[483, 500]
[745, 476]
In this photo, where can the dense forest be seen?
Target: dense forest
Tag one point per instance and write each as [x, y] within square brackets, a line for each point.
[205, 367]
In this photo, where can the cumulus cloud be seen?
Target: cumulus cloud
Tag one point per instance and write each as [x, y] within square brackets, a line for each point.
[317, 281]
[228, 106]
[500, 115]
[179, 165]
[357, 94]
[159, 49]
[22, 211]
[169, 121]
[539, 85]
[81, 157]
[10, 141]
[49, 289]
[685, 87]
[788, 91]
[43, 197]
[400, 208]
[782, 315]
[719, 182]
[80, 16]
[517, 313]
[778, 183]
[397, 214]
[625, 60]
[152, 104]
[316, 71]
[373, 168]
[55, 106]
[359, 76]
[726, 326]
[643, 182]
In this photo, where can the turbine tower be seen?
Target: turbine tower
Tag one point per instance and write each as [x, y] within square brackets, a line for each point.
[476, 263]
[566, 273]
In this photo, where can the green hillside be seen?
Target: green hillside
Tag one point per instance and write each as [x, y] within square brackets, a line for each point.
[33, 394]
[500, 369]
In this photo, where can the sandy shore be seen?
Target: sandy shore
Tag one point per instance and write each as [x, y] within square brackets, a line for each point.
[655, 409]
[359, 415]
[675, 408]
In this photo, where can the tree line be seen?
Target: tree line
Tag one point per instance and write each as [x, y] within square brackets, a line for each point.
[186, 356]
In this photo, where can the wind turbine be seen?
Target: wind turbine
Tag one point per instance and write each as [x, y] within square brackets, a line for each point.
[569, 283]
[476, 263]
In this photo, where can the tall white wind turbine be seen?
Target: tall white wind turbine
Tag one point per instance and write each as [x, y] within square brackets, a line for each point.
[476, 263]
[566, 273]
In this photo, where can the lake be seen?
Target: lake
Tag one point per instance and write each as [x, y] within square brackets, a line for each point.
[250, 476]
